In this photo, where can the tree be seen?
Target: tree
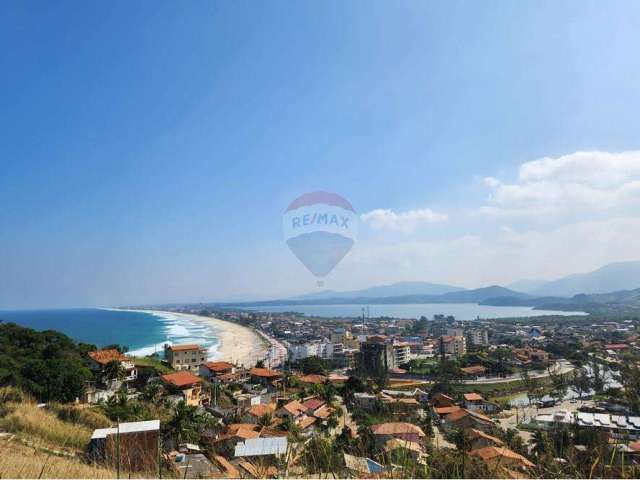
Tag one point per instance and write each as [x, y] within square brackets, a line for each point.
[532, 386]
[580, 382]
[113, 371]
[427, 425]
[260, 364]
[629, 377]
[559, 385]
[186, 423]
[597, 377]
[313, 365]
[541, 444]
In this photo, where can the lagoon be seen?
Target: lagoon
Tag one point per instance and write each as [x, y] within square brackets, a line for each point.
[461, 311]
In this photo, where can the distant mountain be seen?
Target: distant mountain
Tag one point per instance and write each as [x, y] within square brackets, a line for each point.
[394, 290]
[613, 277]
[478, 295]
[527, 286]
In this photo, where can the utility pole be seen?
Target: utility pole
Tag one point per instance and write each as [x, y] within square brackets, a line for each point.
[118, 449]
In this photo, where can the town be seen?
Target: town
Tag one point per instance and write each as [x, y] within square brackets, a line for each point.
[362, 397]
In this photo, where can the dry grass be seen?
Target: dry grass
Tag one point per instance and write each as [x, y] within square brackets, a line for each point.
[89, 417]
[41, 426]
[20, 461]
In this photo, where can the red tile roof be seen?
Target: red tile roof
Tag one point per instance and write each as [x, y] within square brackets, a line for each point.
[294, 408]
[218, 366]
[473, 397]
[446, 410]
[258, 411]
[181, 379]
[313, 403]
[312, 378]
[105, 356]
[264, 372]
[394, 428]
[473, 433]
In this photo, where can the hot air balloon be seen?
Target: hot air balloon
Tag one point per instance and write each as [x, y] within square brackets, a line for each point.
[320, 228]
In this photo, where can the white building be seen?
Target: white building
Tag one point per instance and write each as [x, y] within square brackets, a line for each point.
[478, 337]
[401, 353]
[316, 348]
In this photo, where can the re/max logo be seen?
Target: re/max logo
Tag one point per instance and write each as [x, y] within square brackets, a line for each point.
[320, 219]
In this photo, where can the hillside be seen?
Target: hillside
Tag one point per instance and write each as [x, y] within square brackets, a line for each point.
[381, 291]
[609, 278]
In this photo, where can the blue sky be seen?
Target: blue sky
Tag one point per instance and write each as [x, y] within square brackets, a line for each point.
[148, 152]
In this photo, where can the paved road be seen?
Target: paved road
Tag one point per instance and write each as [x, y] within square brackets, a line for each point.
[560, 367]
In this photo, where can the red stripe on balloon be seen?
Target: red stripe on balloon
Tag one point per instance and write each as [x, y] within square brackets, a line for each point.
[314, 198]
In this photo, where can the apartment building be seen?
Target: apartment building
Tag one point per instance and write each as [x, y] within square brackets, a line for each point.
[401, 353]
[478, 337]
[453, 345]
[186, 356]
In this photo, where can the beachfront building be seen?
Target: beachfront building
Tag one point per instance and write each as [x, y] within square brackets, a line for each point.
[186, 356]
[185, 386]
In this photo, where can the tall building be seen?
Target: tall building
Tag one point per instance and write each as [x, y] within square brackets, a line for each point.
[376, 354]
[454, 346]
[478, 337]
[401, 353]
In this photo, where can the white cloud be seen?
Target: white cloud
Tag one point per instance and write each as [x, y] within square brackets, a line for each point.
[580, 183]
[387, 219]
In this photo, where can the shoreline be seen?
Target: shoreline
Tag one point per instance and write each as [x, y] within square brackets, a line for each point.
[236, 343]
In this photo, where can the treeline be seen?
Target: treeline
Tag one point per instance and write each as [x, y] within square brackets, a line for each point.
[48, 364]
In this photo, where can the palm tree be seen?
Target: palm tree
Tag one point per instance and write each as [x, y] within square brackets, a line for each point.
[186, 423]
[265, 420]
[541, 443]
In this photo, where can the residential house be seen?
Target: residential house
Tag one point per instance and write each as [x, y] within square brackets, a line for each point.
[187, 386]
[293, 410]
[256, 412]
[264, 376]
[479, 439]
[362, 466]
[98, 361]
[186, 356]
[475, 402]
[384, 432]
[442, 400]
[212, 371]
[501, 458]
[463, 419]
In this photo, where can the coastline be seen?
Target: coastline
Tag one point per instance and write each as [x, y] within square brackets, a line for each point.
[236, 343]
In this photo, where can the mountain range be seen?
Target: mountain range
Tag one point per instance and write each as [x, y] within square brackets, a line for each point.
[613, 287]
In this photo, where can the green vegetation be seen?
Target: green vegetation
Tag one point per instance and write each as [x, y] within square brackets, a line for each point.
[153, 363]
[48, 365]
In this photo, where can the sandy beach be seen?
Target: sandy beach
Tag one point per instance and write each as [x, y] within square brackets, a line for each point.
[237, 344]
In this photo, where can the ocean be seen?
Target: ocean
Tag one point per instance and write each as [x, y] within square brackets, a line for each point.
[143, 333]
[462, 311]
